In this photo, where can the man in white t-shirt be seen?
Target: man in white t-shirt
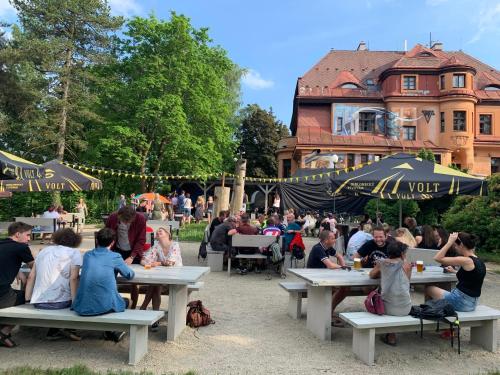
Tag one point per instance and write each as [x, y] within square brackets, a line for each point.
[188, 205]
[53, 280]
[47, 231]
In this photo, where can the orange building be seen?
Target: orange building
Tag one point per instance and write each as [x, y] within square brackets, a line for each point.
[360, 105]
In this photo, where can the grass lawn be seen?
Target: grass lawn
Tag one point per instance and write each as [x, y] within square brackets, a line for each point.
[192, 232]
[489, 256]
[74, 370]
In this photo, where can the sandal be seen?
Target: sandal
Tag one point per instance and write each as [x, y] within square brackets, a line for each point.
[385, 340]
[7, 341]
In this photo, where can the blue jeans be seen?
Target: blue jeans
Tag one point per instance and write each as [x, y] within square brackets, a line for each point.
[461, 301]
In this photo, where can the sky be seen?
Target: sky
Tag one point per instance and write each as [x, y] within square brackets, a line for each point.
[277, 41]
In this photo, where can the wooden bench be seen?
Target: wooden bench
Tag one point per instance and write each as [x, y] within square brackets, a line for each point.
[483, 323]
[43, 223]
[135, 322]
[298, 291]
[249, 240]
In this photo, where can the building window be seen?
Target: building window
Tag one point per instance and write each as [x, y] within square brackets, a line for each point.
[495, 165]
[459, 80]
[349, 86]
[366, 121]
[441, 123]
[287, 168]
[364, 158]
[350, 160]
[340, 124]
[484, 124]
[409, 133]
[409, 82]
[441, 82]
[492, 88]
[437, 157]
[459, 121]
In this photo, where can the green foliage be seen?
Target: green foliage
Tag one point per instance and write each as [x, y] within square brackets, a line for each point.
[390, 210]
[192, 232]
[74, 370]
[478, 215]
[259, 133]
[426, 155]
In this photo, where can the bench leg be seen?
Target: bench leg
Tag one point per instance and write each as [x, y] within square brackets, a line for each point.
[228, 265]
[363, 344]
[138, 345]
[295, 305]
[485, 335]
[177, 310]
[319, 311]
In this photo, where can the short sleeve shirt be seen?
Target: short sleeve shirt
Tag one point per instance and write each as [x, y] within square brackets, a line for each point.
[370, 247]
[12, 255]
[53, 271]
[317, 255]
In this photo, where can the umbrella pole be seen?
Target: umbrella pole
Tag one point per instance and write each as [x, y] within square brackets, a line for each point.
[400, 213]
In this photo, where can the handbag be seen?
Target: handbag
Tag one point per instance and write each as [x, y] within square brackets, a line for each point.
[198, 315]
[374, 303]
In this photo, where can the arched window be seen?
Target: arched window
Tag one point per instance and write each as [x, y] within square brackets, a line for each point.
[492, 88]
[350, 86]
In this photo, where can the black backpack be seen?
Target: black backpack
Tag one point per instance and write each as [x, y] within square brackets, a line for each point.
[202, 252]
[437, 310]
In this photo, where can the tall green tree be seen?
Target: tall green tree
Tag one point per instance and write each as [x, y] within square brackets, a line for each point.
[170, 103]
[259, 133]
[63, 40]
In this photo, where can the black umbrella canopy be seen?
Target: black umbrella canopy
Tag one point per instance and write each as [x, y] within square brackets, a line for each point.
[405, 176]
[58, 177]
[14, 167]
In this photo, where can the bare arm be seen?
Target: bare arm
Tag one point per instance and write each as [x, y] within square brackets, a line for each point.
[441, 257]
[340, 260]
[73, 281]
[418, 239]
[329, 264]
[30, 284]
[375, 271]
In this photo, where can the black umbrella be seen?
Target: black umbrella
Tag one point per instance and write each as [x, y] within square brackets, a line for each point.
[14, 167]
[58, 177]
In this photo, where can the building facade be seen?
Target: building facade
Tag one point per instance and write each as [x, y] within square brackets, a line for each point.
[360, 105]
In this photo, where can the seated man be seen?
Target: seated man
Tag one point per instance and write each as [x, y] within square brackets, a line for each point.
[319, 258]
[97, 293]
[246, 228]
[220, 240]
[13, 252]
[375, 249]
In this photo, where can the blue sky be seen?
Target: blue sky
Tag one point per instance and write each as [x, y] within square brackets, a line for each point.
[278, 41]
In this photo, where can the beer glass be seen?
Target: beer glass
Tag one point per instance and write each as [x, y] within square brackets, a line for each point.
[420, 266]
[147, 266]
[357, 263]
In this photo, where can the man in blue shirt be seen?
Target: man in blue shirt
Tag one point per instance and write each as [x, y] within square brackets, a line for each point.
[97, 293]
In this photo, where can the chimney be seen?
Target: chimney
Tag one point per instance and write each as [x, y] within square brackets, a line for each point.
[362, 46]
[437, 46]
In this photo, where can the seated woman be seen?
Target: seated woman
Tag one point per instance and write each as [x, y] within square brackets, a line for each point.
[428, 238]
[403, 235]
[395, 274]
[470, 274]
[53, 280]
[164, 252]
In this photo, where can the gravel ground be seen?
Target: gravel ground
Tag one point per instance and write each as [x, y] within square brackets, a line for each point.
[254, 335]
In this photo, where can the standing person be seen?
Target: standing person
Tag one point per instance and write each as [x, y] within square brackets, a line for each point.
[164, 252]
[97, 293]
[130, 229]
[210, 209]
[188, 206]
[134, 202]
[122, 201]
[14, 251]
[158, 207]
[319, 257]
[175, 204]
[83, 212]
[470, 274]
[180, 201]
[395, 274]
[51, 213]
[276, 203]
[53, 280]
[428, 238]
[199, 209]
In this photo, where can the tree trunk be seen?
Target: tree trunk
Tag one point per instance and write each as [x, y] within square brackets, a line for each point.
[156, 168]
[143, 167]
[61, 143]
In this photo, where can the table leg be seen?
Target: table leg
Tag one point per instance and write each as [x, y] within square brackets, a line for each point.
[177, 310]
[319, 311]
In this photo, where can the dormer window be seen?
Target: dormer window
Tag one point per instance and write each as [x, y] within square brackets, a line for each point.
[409, 82]
[425, 54]
[370, 82]
[492, 88]
[349, 86]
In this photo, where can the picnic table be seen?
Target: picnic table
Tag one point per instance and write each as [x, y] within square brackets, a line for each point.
[320, 283]
[177, 279]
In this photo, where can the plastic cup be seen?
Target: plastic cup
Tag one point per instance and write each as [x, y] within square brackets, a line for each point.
[357, 263]
[420, 266]
[147, 266]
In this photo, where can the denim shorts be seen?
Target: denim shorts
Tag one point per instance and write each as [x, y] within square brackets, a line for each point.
[461, 301]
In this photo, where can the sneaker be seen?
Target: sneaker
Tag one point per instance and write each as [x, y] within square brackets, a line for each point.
[71, 334]
[55, 334]
[114, 336]
[244, 271]
[155, 327]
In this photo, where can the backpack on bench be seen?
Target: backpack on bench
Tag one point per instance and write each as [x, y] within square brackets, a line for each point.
[437, 310]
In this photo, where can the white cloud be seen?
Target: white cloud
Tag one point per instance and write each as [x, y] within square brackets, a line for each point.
[253, 80]
[124, 7]
[486, 22]
[6, 8]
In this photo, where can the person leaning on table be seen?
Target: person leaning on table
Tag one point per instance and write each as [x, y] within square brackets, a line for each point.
[319, 258]
[470, 275]
[97, 293]
[14, 250]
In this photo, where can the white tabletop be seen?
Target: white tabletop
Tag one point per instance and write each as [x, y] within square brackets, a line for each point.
[166, 275]
[328, 277]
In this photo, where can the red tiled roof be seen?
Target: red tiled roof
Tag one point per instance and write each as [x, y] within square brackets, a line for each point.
[345, 77]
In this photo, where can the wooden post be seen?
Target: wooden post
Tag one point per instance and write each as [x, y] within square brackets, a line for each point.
[239, 186]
